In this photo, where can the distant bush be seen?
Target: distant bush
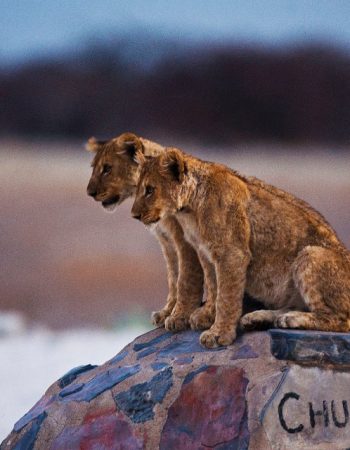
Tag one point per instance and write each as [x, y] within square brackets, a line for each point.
[217, 94]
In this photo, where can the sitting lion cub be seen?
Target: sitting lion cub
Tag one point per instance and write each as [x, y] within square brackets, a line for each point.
[259, 238]
[114, 178]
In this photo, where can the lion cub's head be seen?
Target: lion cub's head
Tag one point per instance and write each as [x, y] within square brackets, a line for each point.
[162, 188]
[115, 172]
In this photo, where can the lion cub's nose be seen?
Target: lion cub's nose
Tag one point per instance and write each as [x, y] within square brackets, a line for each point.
[136, 216]
[92, 193]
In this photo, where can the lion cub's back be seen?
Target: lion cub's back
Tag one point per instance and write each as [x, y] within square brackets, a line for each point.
[282, 222]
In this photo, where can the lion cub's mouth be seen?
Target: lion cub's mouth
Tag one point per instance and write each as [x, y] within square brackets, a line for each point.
[151, 222]
[111, 202]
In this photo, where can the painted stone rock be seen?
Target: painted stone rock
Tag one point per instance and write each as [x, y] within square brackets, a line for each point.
[269, 390]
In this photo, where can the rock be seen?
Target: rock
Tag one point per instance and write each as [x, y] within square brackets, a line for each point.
[204, 416]
[166, 391]
[314, 348]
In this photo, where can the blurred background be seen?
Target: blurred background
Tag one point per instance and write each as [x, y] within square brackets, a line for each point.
[263, 86]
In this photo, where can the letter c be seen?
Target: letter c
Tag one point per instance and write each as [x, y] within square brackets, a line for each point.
[280, 413]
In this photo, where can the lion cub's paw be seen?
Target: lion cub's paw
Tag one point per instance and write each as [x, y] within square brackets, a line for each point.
[212, 339]
[158, 317]
[290, 319]
[247, 323]
[176, 323]
[252, 321]
[201, 319]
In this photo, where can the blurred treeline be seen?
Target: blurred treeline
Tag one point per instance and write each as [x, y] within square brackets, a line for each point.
[209, 94]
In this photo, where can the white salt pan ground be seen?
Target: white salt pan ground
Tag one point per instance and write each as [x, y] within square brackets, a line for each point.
[32, 360]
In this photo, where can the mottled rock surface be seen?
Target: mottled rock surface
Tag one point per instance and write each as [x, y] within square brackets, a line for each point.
[166, 391]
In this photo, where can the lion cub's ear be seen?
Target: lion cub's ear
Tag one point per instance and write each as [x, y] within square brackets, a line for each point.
[93, 145]
[172, 163]
[140, 158]
[130, 144]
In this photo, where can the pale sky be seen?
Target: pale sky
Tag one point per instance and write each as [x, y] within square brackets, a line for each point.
[30, 28]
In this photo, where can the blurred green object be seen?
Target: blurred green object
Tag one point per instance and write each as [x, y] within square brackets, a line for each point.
[137, 318]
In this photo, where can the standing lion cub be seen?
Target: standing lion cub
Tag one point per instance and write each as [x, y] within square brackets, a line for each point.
[259, 239]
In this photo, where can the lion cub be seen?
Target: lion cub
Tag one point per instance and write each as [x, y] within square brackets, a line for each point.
[114, 178]
[259, 238]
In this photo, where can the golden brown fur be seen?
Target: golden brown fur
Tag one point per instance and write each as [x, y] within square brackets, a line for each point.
[258, 238]
[114, 178]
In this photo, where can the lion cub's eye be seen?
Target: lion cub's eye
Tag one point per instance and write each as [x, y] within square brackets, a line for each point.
[107, 168]
[149, 191]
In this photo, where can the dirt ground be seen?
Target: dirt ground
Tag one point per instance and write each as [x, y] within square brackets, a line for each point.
[66, 263]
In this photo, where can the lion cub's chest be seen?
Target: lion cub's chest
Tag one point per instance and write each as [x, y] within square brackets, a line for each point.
[189, 225]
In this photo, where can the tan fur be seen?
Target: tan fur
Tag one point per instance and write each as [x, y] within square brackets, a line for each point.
[114, 178]
[259, 239]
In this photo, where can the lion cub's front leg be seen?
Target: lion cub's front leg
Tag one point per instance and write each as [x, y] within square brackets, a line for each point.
[231, 276]
[189, 283]
[171, 259]
[185, 277]
[203, 317]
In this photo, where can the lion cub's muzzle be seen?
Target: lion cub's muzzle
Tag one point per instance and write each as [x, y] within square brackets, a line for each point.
[135, 212]
[137, 216]
[91, 191]
[145, 219]
[111, 200]
[98, 197]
